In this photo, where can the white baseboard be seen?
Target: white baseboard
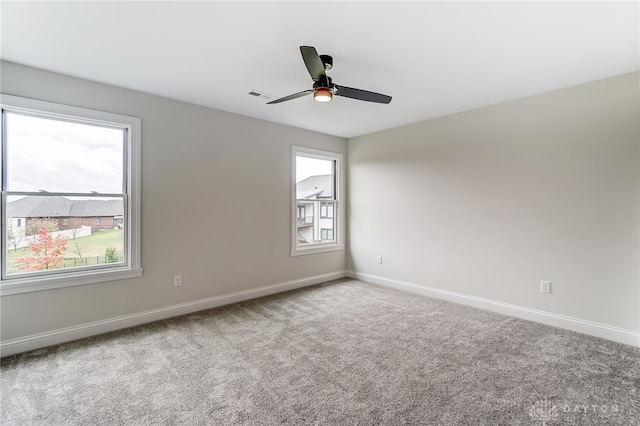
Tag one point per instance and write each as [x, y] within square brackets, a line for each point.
[615, 334]
[41, 340]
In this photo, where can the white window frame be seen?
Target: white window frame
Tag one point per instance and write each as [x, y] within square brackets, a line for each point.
[338, 212]
[131, 267]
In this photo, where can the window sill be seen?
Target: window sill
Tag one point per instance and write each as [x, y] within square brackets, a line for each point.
[319, 248]
[28, 285]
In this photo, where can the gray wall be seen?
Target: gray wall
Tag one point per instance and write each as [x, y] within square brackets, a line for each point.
[215, 206]
[485, 203]
[489, 202]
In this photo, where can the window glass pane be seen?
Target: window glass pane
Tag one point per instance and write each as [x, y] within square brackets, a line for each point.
[315, 182]
[50, 233]
[50, 155]
[316, 203]
[314, 177]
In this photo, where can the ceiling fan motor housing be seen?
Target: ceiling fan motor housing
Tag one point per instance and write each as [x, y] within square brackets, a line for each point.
[327, 61]
[325, 83]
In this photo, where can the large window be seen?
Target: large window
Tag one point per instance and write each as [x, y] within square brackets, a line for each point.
[315, 201]
[70, 196]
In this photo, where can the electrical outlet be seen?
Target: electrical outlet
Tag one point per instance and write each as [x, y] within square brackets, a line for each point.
[177, 281]
[379, 260]
[545, 286]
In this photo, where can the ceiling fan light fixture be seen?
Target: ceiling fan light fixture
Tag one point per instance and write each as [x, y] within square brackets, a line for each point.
[322, 94]
[323, 89]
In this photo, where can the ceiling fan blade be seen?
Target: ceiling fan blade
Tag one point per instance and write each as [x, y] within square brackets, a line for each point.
[294, 96]
[362, 95]
[313, 62]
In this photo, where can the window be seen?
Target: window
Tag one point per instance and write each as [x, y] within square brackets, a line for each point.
[326, 210]
[61, 167]
[315, 201]
[326, 234]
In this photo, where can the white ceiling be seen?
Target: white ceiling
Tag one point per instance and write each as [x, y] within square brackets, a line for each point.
[434, 58]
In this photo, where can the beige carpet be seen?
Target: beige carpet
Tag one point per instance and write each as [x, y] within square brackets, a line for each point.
[341, 353]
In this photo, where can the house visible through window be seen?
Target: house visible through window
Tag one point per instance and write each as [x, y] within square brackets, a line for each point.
[70, 176]
[316, 199]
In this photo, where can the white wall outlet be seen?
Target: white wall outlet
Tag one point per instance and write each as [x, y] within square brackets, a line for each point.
[177, 281]
[379, 260]
[545, 286]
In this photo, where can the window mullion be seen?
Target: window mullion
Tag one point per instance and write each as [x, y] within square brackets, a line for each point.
[3, 150]
[64, 194]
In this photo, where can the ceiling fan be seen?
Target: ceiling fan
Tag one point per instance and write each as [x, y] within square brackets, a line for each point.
[323, 88]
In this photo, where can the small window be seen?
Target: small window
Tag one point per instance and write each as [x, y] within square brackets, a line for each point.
[50, 189]
[326, 210]
[315, 200]
[326, 234]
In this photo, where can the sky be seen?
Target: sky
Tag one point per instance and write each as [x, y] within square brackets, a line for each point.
[60, 156]
[306, 166]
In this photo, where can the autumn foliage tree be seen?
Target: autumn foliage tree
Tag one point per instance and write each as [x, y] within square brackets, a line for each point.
[46, 251]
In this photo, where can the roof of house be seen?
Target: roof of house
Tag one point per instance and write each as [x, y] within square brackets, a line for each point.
[58, 206]
[318, 186]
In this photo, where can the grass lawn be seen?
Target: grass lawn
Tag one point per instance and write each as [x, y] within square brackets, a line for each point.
[92, 247]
